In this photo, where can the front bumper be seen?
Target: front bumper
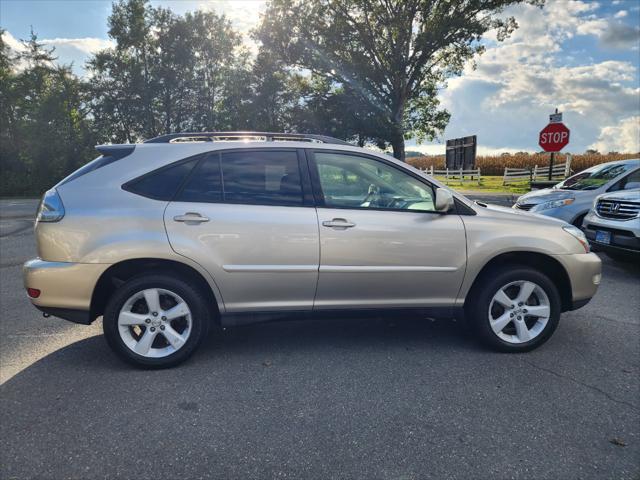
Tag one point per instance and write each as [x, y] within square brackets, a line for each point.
[585, 272]
[65, 288]
[624, 234]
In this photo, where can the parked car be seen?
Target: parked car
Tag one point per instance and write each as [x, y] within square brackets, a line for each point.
[165, 238]
[613, 224]
[571, 199]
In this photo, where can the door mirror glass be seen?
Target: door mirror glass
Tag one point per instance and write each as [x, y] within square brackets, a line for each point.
[444, 200]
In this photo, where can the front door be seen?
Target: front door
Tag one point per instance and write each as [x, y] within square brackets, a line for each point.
[381, 242]
[243, 215]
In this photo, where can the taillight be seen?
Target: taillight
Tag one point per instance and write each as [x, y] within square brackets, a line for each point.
[51, 208]
[33, 292]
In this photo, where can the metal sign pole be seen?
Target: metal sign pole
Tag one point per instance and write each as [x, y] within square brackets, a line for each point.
[552, 156]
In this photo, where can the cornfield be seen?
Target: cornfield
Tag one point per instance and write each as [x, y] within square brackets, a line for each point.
[494, 165]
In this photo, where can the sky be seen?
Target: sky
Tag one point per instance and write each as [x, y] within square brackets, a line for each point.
[580, 56]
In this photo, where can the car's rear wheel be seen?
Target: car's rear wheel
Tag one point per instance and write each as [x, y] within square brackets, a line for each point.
[515, 309]
[156, 321]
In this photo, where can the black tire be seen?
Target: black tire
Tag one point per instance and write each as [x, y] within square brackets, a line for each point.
[578, 221]
[477, 309]
[195, 299]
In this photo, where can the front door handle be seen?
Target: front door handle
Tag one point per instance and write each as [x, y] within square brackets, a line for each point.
[339, 223]
[190, 217]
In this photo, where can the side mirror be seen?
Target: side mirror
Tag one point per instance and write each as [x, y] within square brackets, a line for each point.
[444, 200]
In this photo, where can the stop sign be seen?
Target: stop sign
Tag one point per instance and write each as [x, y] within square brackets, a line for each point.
[554, 137]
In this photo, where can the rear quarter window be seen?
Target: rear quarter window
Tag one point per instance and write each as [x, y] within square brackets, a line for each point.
[162, 184]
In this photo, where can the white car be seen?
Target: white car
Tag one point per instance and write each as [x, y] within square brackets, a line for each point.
[613, 224]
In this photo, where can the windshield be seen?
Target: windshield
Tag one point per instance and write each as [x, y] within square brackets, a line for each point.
[594, 177]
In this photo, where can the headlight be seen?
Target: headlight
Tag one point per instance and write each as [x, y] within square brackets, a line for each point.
[553, 204]
[578, 234]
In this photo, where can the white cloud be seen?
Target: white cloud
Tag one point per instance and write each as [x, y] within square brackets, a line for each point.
[74, 51]
[87, 45]
[621, 14]
[623, 137]
[12, 42]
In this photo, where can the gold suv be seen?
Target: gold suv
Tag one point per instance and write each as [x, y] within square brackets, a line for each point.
[163, 239]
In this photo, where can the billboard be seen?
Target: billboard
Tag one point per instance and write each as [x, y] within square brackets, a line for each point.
[461, 153]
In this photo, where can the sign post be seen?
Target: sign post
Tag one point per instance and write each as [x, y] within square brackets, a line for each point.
[554, 137]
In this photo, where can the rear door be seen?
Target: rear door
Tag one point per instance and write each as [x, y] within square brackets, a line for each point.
[381, 242]
[247, 216]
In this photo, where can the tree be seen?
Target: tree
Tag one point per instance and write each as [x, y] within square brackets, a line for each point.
[169, 73]
[45, 130]
[389, 56]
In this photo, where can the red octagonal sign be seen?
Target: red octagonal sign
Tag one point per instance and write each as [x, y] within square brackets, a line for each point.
[554, 137]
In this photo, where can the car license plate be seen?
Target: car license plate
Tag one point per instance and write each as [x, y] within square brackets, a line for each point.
[603, 237]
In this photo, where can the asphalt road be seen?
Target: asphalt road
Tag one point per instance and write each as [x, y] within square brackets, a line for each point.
[393, 399]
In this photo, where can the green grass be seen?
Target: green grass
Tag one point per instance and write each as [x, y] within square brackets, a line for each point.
[486, 185]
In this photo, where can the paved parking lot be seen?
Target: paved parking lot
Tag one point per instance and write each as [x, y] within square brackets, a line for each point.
[397, 399]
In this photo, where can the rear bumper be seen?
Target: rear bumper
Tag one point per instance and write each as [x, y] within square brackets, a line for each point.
[65, 288]
[76, 316]
[585, 272]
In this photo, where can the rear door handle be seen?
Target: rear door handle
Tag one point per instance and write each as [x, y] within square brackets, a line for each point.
[190, 217]
[339, 223]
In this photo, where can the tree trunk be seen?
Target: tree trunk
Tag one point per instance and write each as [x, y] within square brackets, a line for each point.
[397, 139]
[398, 147]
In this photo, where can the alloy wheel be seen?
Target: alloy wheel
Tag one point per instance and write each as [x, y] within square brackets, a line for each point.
[519, 311]
[155, 323]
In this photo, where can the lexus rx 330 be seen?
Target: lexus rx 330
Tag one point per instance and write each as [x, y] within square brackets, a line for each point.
[166, 238]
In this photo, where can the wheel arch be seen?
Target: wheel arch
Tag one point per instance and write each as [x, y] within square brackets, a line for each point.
[120, 272]
[579, 215]
[538, 261]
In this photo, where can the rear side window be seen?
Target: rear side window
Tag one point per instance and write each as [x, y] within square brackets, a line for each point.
[204, 185]
[163, 183]
[261, 178]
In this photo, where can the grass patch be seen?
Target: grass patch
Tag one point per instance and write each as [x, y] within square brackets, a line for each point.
[489, 184]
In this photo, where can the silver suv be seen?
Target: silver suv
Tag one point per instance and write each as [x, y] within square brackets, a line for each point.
[166, 238]
[613, 224]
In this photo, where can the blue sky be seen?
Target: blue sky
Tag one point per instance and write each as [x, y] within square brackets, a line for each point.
[578, 55]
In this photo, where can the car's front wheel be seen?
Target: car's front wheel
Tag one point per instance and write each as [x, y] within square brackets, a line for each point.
[515, 309]
[155, 320]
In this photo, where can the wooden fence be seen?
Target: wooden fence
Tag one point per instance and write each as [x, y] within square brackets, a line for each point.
[558, 172]
[454, 174]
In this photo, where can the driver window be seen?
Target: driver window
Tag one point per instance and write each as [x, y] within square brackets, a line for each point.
[350, 181]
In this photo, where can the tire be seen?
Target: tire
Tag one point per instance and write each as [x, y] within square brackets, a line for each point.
[128, 319]
[577, 222]
[512, 337]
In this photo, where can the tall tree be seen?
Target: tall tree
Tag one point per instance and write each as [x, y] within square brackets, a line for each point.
[45, 130]
[169, 73]
[391, 56]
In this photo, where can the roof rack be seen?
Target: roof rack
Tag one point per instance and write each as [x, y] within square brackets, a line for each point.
[244, 136]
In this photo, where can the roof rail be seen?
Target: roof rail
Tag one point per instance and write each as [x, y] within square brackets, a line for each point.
[239, 136]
